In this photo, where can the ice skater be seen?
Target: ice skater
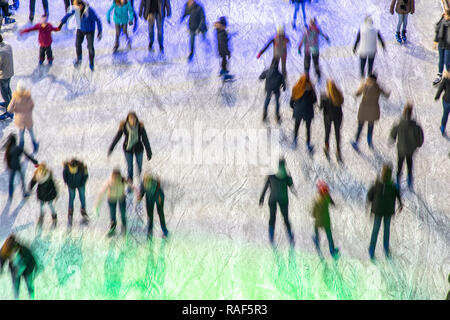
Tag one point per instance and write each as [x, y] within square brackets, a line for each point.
[278, 184]
[135, 141]
[382, 195]
[6, 73]
[409, 136]
[297, 4]
[33, 9]
[75, 175]
[223, 47]
[6, 13]
[197, 24]
[403, 8]
[274, 81]
[155, 11]
[123, 15]
[45, 30]
[279, 42]
[321, 215]
[369, 109]
[444, 87]
[22, 264]
[442, 44]
[302, 102]
[367, 41]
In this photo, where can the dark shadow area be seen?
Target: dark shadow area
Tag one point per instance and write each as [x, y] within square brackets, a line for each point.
[113, 270]
[68, 260]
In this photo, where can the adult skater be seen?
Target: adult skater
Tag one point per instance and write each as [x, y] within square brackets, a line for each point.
[442, 43]
[321, 215]
[382, 195]
[402, 8]
[86, 19]
[302, 102]
[310, 40]
[278, 184]
[67, 5]
[331, 104]
[274, 81]
[6, 73]
[123, 15]
[114, 190]
[5, 12]
[154, 194]
[155, 11]
[135, 141]
[46, 192]
[367, 41]
[22, 264]
[222, 46]
[22, 106]
[369, 109]
[444, 87]
[409, 136]
[197, 23]
[13, 155]
[33, 8]
[297, 4]
[75, 175]
[280, 42]
[45, 30]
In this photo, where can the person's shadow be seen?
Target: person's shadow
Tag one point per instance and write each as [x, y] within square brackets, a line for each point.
[8, 219]
[68, 260]
[113, 270]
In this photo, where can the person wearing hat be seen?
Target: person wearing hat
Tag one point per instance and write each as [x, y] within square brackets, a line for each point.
[197, 23]
[33, 6]
[155, 11]
[22, 106]
[279, 184]
[222, 44]
[321, 215]
[6, 73]
[75, 175]
[382, 195]
[280, 42]
[402, 8]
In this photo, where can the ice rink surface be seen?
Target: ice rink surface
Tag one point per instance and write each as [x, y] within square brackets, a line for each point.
[219, 245]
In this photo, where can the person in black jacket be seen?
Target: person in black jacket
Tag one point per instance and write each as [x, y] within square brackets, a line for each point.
[197, 23]
[155, 10]
[409, 136]
[222, 43]
[75, 175]
[21, 264]
[12, 157]
[278, 184]
[133, 145]
[274, 81]
[331, 104]
[442, 43]
[382, 195]
[444, 87]
[46, 192]
[151, 188]
[302, 101]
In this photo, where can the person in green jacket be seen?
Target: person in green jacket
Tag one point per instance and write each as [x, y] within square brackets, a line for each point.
[321, 215]
[123, 15]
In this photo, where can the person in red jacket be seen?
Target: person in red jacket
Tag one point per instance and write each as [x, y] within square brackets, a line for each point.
[45, 38]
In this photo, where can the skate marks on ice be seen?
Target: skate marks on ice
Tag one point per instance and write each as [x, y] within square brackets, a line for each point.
[7, 220]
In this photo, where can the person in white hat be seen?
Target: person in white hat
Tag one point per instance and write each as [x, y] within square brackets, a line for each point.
[279, 42]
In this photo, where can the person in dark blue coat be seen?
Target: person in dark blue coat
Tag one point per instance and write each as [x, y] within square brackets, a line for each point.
[197, 23]
[75, 175]
[155, 11]
[302, 101]
[274, 81]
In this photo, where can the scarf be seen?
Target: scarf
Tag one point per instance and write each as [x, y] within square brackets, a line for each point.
[133, 135]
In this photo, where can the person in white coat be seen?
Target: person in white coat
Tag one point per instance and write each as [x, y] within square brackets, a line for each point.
[367, 39]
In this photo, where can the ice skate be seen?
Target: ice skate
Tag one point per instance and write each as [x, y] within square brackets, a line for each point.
[438, 79]
[54, 221]
[115, 48]
[9, 20]
[404, 36]
[355, 146]
[310, 148]
[77, 63]
[398, 38]
[70, 218]
[91, 66]
[40, 222]
[6, 116]
[326, 151]
[85, 217]
[112, 229]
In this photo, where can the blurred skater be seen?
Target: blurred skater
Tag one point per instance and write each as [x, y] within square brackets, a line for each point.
[222, 46]
[155, 11]
[197, 24]
[279, 42]
[297, 4]
[123, 15]
[274, 81]
[75, 175]
[442, 43]
[403, 8]
[444, 87]
[6, 73]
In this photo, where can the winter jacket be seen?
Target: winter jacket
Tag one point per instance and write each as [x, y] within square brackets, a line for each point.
[279, 47]
[321, 212]
[78, 179]
[46, 189]
[369, 109]
[222, 43]
[274, 79]
[382, 196]
[331, 112]
[367, 41]
[164, 8]
[153, 191]
[13, 158]
[22, 262]
[22, 106]
[139, 146]
[278, 189]
[304, 107]
[310, 40]
[444, 87]
[197, 19]
[122, 14]
[86, 21]
[442, 34]
[45, 33]
[409, 136]
[6, 61]
[403, 6]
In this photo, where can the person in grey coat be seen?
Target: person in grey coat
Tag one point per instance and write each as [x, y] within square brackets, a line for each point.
[6, 73]
[155, 10]
[274, 81]
[197, 23]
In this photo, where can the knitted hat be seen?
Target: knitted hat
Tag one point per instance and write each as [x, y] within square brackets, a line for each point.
[322, 187]
[223, 21]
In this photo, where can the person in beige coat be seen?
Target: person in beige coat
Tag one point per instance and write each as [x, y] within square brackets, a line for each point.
[369, 109]
[22, 106]
[402, 8]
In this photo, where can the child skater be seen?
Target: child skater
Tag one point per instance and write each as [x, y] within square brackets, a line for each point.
[123, 15]
[222, 46]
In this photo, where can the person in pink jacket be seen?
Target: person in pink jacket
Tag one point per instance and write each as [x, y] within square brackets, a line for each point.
[22, 106]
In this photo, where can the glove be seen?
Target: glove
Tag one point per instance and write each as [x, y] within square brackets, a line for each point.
[149, 157]
[99, 36]
[328, 39]
[258, 56]
[130, 23]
